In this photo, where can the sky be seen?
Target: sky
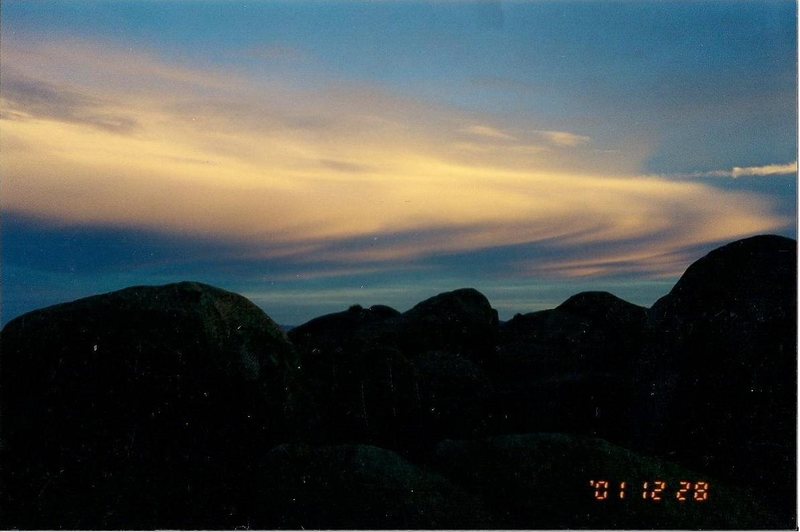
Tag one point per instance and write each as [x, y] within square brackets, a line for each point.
[312, 155]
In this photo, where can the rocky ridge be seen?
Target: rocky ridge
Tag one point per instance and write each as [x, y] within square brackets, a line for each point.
[185, 406]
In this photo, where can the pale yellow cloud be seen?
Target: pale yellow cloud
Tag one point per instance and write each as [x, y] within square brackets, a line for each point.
[736, 172]
[488, 132]
[563, 138]
[290, 171]
[766, 170]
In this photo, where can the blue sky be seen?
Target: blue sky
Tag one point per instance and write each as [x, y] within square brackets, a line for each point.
[313, 155]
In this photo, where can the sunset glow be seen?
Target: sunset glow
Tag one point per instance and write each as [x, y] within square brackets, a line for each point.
[284, 161]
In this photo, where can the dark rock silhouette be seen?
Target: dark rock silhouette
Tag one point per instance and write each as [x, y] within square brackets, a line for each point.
[450, 338]
[353, 329]
[362, 386]
[138, 408]
[544, 479]
[185, 406]
[749, 278]
[589, 331]
[400, 380]
[571, 368]
[725, 368]
[357, 487]
[460, 322]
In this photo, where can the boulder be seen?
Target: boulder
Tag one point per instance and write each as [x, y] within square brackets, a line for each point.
[362, 387]
[454, 396]
[357, 487]
[374, 380]
[357, 328]
[724, 367]
[461, 322]
[140, 408]
[154, 407]
[542, 481]
[589, 331]
[571, 368]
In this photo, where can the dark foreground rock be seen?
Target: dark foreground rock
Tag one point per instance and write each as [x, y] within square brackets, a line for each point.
[139, 408]
[357, 487]
[362, 387]
[402, 381]
[157, 407]
[460, 322]
[724, 372]
[573, 368]
[542, 481]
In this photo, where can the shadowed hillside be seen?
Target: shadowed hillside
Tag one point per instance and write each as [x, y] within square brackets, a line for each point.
[185, 406]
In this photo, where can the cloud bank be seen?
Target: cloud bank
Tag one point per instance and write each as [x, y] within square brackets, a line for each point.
[345, 174]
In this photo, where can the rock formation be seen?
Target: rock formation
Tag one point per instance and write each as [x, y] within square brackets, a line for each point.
[139, 408]
[185, 406]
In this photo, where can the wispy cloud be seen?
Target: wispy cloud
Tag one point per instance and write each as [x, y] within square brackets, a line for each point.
[488, 132]
[563, 138]
[348, 176]
[37, 99]
[736, 172]
[558, 139]
[767, 170]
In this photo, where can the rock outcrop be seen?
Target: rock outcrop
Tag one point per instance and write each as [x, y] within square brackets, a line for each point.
[400, 380]
[185, 406]
[542, 481]
[460, 322]
[139, 408]
[724, 372]
[357, 487]
[572, 368]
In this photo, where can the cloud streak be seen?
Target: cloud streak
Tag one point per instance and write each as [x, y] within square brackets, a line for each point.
[768, 170]
[736, 172]
[344, 175]
[563, 139]
[488, 132]
[36, 99]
